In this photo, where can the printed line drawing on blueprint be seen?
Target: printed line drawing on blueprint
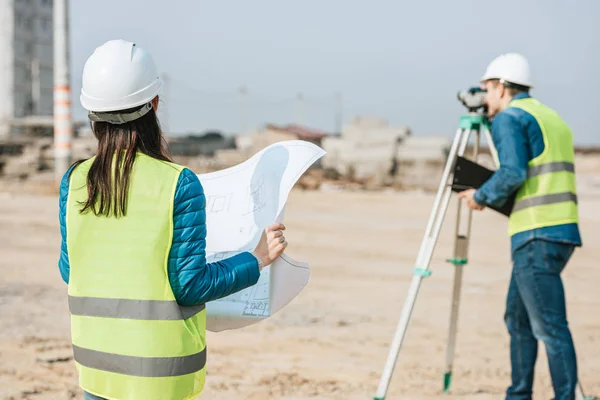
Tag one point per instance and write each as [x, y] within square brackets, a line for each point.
[256, 196]
[218, 203]
[255, 299]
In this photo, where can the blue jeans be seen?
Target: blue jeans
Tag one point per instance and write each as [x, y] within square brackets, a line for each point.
[89, 396]
[536, 310]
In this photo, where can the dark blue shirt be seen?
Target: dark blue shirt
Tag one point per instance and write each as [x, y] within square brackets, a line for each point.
[518, 139]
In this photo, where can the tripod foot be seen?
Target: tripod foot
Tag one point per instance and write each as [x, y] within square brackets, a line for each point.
[447, 381]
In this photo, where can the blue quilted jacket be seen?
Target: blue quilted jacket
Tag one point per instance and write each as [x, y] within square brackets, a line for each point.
[193, 280]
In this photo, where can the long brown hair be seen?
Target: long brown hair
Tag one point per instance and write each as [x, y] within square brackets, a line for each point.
[108, 189]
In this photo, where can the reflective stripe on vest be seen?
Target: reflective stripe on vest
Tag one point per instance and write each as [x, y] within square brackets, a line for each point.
[547, 168]
[156, 310]
[543, 200]
[550, 167]
[140, 366]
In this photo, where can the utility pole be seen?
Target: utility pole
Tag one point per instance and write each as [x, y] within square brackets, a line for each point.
[63, 125]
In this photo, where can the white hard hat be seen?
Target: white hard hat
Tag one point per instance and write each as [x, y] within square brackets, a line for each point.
[119, 75]
[511, 68]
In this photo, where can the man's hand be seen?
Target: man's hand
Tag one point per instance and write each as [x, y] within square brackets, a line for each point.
[467, 196]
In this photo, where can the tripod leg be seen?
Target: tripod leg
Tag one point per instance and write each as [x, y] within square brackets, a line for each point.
[459, 260]
[421, 268]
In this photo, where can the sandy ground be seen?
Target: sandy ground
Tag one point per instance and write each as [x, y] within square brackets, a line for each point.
[331, 342]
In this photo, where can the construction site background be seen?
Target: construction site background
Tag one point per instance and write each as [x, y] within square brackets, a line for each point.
[368, 154]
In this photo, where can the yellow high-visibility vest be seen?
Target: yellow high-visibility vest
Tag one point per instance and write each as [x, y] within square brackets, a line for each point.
[548, 196]
[131, 340]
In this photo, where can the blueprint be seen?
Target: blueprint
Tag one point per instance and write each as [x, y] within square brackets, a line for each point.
[241, 202]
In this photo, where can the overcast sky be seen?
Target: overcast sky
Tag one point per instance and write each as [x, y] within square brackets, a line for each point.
[402, 61]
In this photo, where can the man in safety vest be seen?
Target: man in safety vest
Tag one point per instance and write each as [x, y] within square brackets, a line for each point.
[535, 151]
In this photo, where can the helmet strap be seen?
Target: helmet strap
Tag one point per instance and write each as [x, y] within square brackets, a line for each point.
[120, 118]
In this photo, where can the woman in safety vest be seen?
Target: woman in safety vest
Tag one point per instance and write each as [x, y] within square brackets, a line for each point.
[133, 228]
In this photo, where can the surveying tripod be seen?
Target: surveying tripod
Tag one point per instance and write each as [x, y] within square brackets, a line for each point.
[469, 124]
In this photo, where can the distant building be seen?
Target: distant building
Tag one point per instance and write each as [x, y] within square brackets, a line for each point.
[365, 149]
[269, 134]
[370, 150]
[419, 161]
[26, 64]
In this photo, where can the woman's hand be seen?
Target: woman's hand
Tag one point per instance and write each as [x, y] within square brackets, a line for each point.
[272, 244]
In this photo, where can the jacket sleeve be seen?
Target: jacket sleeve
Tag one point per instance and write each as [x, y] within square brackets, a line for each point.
[63, 261]
[510, 141]
[192, 279]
